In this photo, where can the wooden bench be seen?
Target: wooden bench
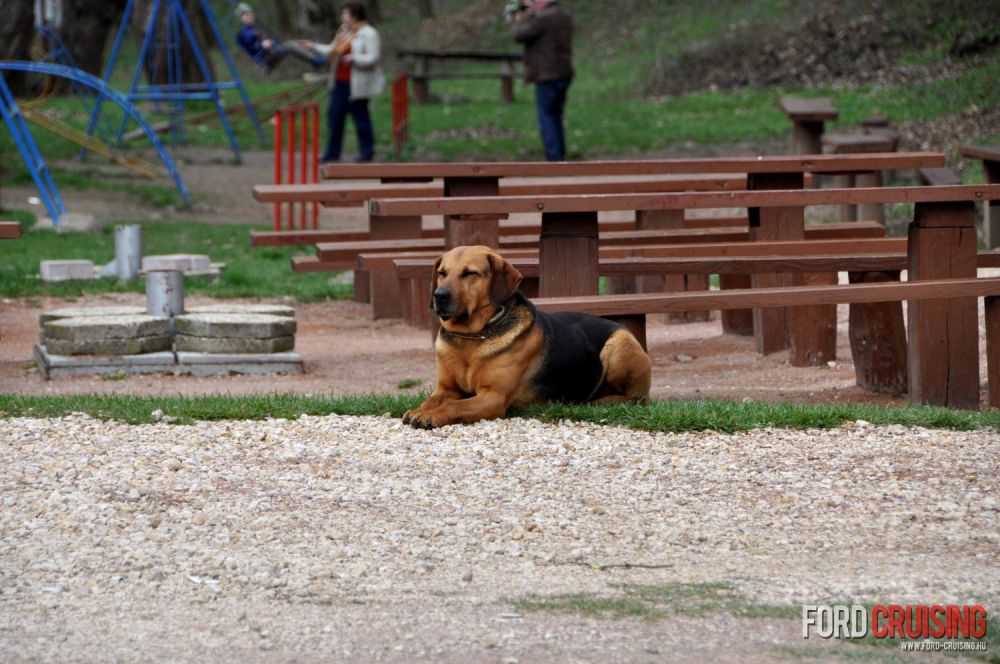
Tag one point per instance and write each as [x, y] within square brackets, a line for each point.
[990, 156]
[475, 179]
[937, 177]
[10, 230]
[568, 248]
[386, 300]
[941, 372]
[807, 116]
[420, 69]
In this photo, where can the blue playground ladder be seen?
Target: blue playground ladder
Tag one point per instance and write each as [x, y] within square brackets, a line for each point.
[175, 92]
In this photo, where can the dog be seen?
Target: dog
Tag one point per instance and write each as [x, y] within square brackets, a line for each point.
[495, 350]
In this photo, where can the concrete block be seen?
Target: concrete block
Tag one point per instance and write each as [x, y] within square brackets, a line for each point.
[133, 346]
[186, 263]
[233, 345]
[55, 366]
[85, 312]
[282, 310]
[105, 328]
[228, 326]
[64, 270]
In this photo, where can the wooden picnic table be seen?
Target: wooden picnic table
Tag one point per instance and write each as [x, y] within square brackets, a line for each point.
[420, 69]
[807, 116]
[569, 252]
[990, 156]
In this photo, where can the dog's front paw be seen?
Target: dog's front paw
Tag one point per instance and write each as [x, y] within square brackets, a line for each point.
[418, 419]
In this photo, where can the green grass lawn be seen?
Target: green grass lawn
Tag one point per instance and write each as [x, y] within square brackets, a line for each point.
[250, 272]
[677, 416]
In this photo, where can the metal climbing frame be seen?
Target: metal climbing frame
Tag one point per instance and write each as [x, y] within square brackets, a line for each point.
[26, 144]
[177, 32]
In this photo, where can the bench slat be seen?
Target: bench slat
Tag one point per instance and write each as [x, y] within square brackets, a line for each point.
[649, 303]
[684, 200]
[529, 267]
[331, 251]
[817, 163]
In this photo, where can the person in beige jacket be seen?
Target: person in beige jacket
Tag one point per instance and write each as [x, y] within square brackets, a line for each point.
[355, 77]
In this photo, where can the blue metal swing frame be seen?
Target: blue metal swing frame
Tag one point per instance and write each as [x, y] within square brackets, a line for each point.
[175, 92]
[25, 142]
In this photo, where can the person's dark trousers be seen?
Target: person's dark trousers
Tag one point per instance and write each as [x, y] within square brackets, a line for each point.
[340, 105]
[550, 101]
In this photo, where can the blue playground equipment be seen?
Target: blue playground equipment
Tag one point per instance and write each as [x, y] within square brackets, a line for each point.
[165, 42]
[14, 119]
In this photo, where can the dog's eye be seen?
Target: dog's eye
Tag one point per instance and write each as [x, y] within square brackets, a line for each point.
[442, 274]
[468, 273]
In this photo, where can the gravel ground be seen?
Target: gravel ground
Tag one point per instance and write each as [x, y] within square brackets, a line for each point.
[358, 539]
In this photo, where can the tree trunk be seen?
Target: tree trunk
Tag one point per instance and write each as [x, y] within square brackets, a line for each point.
[16, 33]
[85, 29]
[156, 66]
[426, 8]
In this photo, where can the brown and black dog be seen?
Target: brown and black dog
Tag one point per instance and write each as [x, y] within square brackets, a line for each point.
[495, 350]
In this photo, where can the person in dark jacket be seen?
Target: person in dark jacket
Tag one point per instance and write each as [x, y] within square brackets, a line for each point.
[546, 30]
[264, 47]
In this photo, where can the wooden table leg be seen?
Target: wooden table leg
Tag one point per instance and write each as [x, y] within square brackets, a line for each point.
[736, 321]
[773, 224]
[813, 329]
[869, 211]
[463, 230]
[993, 349]
[943, 351]
[567, 254]
[878, 339]
[384, 293]
[806, 137]
[991, 211]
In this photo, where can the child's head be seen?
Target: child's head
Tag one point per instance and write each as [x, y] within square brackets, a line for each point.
[245, 13]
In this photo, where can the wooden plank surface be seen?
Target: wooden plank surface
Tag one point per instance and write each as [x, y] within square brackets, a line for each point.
[341, 194]
[10, 230]
[342, 250]
[683, 200]
[814, 109]
[618, 305]
[813, 163]
[459, 54]
[409, 268]
[987, 152]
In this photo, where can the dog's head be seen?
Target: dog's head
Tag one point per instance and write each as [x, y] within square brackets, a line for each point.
[469, 286]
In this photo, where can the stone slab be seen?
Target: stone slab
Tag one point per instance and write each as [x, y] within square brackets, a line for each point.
[233, 345]
[186, 263]
[134, 346]
[210, 364]
[194, 364]
[235, 326]
[105, 328]
[64, 270]
[86, 312]
[282, 310]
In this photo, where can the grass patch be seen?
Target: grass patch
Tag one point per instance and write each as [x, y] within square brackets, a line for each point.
[250, 272]
[673, 416]
[652, 602]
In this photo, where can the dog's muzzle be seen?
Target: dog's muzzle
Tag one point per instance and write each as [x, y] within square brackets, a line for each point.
[444, 303]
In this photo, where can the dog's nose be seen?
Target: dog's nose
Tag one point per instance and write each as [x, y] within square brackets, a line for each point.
[442, 298]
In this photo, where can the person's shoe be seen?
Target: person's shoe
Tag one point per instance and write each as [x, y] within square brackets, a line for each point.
[363, 159]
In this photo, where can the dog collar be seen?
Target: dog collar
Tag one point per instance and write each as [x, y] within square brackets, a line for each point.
[497, 317]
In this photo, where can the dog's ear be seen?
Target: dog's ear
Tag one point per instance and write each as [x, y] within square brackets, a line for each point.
[504, 280]
[434, 278]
